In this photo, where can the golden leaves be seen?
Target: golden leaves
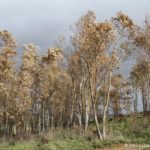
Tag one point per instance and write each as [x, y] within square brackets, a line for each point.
[52, 56]
[30, 57]
[141, 71]
[140, 40]
[114, 61]
[7, 70]
[8, 52]
[8, 39]
[30, 52]
[93, 35]
[124, 20]
[117, 80]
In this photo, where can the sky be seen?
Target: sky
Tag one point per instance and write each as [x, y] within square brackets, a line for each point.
[42, 21]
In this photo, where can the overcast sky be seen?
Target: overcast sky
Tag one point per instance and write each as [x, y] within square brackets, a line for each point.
[41, 21]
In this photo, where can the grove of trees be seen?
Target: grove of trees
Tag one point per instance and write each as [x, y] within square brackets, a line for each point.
[42, 93]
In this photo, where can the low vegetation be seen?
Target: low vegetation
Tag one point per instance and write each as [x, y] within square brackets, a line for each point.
[125, 132]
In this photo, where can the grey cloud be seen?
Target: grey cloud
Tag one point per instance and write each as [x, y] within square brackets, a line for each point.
[41, 21]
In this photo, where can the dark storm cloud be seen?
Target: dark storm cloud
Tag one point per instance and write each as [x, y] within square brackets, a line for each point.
[41, 21]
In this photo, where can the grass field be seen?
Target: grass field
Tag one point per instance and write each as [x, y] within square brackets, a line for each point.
[130, 130]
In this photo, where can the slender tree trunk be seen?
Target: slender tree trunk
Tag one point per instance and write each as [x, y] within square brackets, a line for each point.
[87, 105]
[148, 101]
[106, 106]
[96, 122]
[136, 101]
[43, 120]
[39, 123]
[144, 100]
[86, 114]
[71, 114]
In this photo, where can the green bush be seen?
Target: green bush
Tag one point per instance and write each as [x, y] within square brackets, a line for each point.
[41, 146]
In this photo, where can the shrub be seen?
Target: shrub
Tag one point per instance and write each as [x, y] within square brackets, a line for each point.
[12, 142]
[44, 139]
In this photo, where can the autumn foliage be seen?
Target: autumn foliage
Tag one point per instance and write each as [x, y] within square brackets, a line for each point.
[40, 94]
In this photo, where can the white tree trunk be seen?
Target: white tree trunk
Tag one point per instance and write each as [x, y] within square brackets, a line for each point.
[106, 106]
